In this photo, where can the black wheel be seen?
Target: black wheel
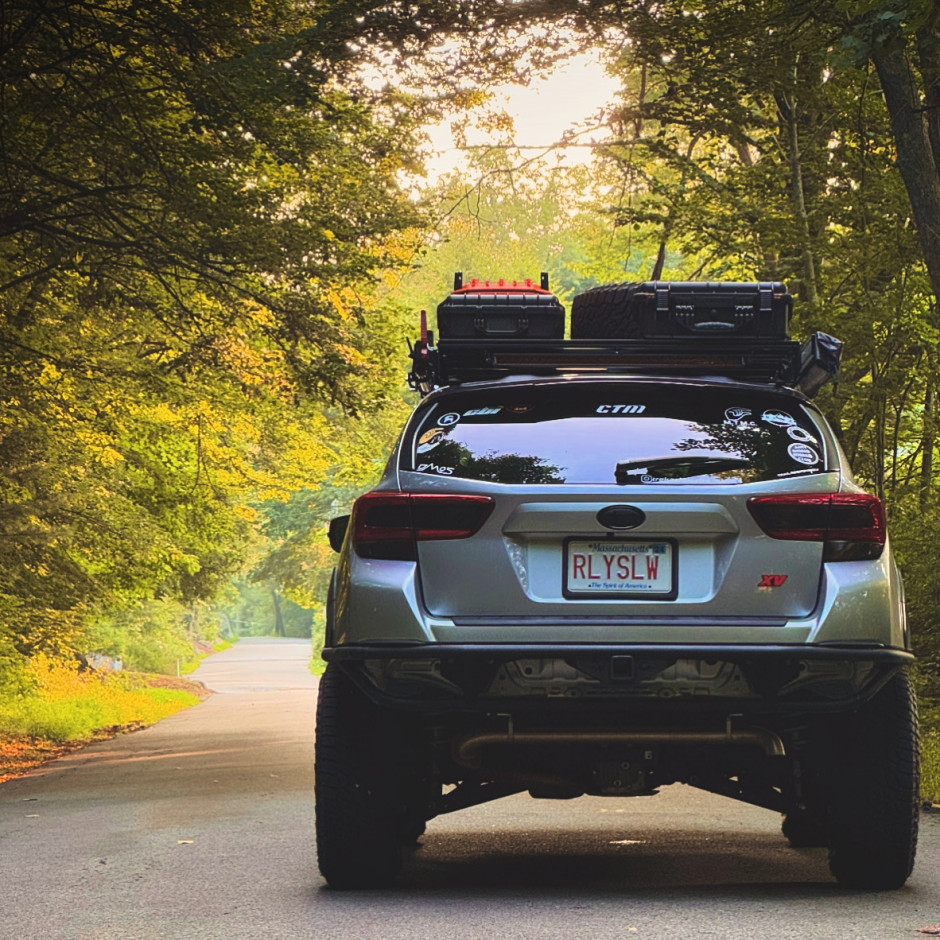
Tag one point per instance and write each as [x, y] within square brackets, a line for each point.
[360, 783]
[605, 312]
[805, 830]
[874, 816]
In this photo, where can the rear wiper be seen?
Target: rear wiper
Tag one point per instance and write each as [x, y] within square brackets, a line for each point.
[669, 468]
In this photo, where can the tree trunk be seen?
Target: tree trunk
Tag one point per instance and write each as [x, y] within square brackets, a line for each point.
[788, 106]
[928, 58]
[278, 615]
[915, 157]
[927, 439]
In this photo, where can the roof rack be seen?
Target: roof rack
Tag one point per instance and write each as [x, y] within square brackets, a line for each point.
[736, 330]
[778, 362]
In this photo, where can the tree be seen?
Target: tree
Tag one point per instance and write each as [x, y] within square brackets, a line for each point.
[902, 40]
[189, 200]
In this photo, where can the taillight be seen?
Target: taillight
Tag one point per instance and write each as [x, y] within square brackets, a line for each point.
[389, 525]
[852, 525]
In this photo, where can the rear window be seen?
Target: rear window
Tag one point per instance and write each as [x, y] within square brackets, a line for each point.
[617, 434]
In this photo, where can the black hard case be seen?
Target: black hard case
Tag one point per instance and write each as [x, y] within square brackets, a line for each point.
[516, 314]
[677, 309]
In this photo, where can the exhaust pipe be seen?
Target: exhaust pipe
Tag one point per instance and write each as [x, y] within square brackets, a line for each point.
[468, 750]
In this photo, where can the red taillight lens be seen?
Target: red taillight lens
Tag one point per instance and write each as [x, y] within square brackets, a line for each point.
[851, 524]
[388, 525]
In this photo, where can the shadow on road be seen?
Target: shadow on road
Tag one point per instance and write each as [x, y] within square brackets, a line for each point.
[594, 864]
[487, 862]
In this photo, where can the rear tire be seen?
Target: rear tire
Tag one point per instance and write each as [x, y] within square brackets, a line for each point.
[359, 786]
[874, 818]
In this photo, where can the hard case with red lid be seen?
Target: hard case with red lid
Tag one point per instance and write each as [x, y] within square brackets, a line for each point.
[501, 309]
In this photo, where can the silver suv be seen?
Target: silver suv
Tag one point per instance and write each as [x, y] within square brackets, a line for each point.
[578, 577]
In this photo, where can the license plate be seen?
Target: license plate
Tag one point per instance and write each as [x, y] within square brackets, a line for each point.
[617, 568]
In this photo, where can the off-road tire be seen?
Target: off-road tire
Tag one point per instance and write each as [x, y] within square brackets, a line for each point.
[605, 312]
[874, 816]
[360, 804]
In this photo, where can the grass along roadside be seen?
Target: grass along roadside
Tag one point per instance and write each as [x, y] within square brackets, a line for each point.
[54, 708]
[930, 752]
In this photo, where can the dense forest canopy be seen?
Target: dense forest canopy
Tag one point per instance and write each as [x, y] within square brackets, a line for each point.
[211, 252]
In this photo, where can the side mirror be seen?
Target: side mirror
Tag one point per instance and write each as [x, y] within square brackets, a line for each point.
[338, 527]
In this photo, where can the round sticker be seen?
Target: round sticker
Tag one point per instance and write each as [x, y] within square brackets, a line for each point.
[801, 434]
[804, 454]
[736, 415]
[450, 418]
[779, 418]
[430, 439]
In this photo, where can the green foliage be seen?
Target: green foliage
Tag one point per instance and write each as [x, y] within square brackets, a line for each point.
[514, 219]
[14, 677]
[193, 197]
[155, 636]
[930, 762]
[262, 609]
[65, 705]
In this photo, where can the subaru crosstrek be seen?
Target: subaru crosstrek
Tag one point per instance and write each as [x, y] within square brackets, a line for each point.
[587, 581]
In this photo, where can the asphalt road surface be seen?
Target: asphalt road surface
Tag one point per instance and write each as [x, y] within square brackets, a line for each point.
[202, 827]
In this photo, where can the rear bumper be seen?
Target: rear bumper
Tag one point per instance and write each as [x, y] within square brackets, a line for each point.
[778, 679]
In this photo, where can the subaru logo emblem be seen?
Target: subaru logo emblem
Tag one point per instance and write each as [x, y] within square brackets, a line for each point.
[621, 517]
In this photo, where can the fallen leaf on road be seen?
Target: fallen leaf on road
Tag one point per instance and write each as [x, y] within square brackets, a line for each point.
[185, 841]
[32, 816]
[933, 931]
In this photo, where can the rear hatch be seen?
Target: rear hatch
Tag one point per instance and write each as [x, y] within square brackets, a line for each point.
[618, 499]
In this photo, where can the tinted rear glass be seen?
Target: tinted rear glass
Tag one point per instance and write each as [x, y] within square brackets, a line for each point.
[626, 434]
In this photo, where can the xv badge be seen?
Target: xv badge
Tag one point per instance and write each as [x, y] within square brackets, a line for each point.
[772, 580]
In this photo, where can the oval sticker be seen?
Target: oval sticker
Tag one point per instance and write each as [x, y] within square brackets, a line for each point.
[778, 418]
[803, 453]
[801, 434]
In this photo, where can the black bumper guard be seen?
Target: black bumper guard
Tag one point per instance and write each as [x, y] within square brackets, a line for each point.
[767, 667]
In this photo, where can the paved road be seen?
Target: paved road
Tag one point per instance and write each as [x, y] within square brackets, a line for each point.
[202, 827]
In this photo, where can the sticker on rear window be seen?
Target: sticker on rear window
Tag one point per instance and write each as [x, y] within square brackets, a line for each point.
[620, 409]
[779, 419]
[803, 453]
[450, 418]
[430, 439]
[434, 468]
[482, 411]
[801, 434]
[736, 415]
